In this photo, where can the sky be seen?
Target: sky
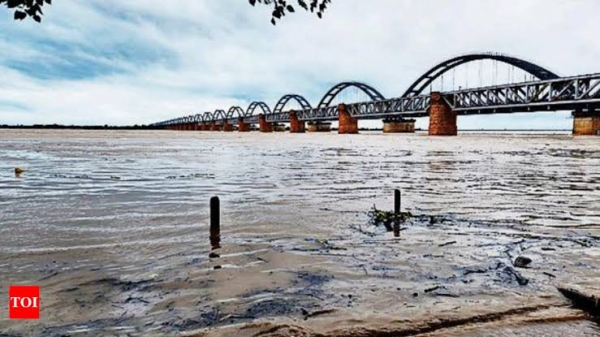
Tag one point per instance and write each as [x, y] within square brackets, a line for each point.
[139, 61]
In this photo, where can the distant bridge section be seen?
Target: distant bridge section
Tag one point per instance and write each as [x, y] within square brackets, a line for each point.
[580, 94]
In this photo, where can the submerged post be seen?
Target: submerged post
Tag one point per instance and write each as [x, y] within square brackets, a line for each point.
[215, 223]
[396, 213]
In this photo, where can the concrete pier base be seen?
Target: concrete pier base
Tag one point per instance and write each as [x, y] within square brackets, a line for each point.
[296, 125]
[227, 127]
[398, 125]
[319, 127]
[442, 120]
[586, 123]
[243, 127]
[263, 125]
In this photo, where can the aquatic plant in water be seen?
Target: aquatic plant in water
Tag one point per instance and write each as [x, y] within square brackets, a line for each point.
[387, 218]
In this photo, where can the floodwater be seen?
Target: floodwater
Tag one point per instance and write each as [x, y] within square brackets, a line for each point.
[113, 226]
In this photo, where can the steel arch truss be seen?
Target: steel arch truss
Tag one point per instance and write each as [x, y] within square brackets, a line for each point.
[235, 109]
[262, 105]
[434, 73]
[285, 99]
[333, 92]
[208, 117]
[219, 115]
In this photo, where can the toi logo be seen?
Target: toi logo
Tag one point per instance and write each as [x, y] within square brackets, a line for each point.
[24, 302]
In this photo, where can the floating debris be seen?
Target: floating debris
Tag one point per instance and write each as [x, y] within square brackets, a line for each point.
[447, 244]
[387, 218]
[522, 262]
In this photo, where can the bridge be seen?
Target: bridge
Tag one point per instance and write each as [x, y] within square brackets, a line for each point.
[546, 92]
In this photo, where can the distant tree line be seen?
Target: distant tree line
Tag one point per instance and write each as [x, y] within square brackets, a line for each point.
[82, 127]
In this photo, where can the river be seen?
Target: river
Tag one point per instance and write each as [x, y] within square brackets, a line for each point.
[113, 227]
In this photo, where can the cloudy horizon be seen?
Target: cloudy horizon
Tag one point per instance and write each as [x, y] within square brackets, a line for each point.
[137, 62]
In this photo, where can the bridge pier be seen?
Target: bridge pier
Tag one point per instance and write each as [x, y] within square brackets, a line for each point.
[263, 125]
[296, 125]
[398, 125]
[348, 125]
[318, 127]
[204, 126]
[227, 127]
[442, 120]
[243, 127]
[214, 126]
[586, 122]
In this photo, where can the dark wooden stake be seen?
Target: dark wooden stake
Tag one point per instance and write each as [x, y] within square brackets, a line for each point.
[587, 303]
[396, 213]
[215, 223]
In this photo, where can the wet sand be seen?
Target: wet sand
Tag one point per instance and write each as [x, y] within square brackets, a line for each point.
[114, 228]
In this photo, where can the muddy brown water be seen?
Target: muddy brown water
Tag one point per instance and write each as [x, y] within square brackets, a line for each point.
[113, 226]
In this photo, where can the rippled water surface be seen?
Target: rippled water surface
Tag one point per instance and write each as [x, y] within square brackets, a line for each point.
[113, 226]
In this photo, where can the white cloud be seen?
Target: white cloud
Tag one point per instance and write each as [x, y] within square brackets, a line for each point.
[155, 62]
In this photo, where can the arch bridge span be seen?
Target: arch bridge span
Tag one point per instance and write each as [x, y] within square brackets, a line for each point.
[548, 93]
[440, 69]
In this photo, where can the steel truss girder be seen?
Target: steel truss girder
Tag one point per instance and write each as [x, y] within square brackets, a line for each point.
[403, 106]
[556, 94]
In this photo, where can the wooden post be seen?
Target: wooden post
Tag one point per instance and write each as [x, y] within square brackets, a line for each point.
[215, 223]
[396, 213]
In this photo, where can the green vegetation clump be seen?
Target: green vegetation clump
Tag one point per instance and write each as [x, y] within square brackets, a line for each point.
[387, 218]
